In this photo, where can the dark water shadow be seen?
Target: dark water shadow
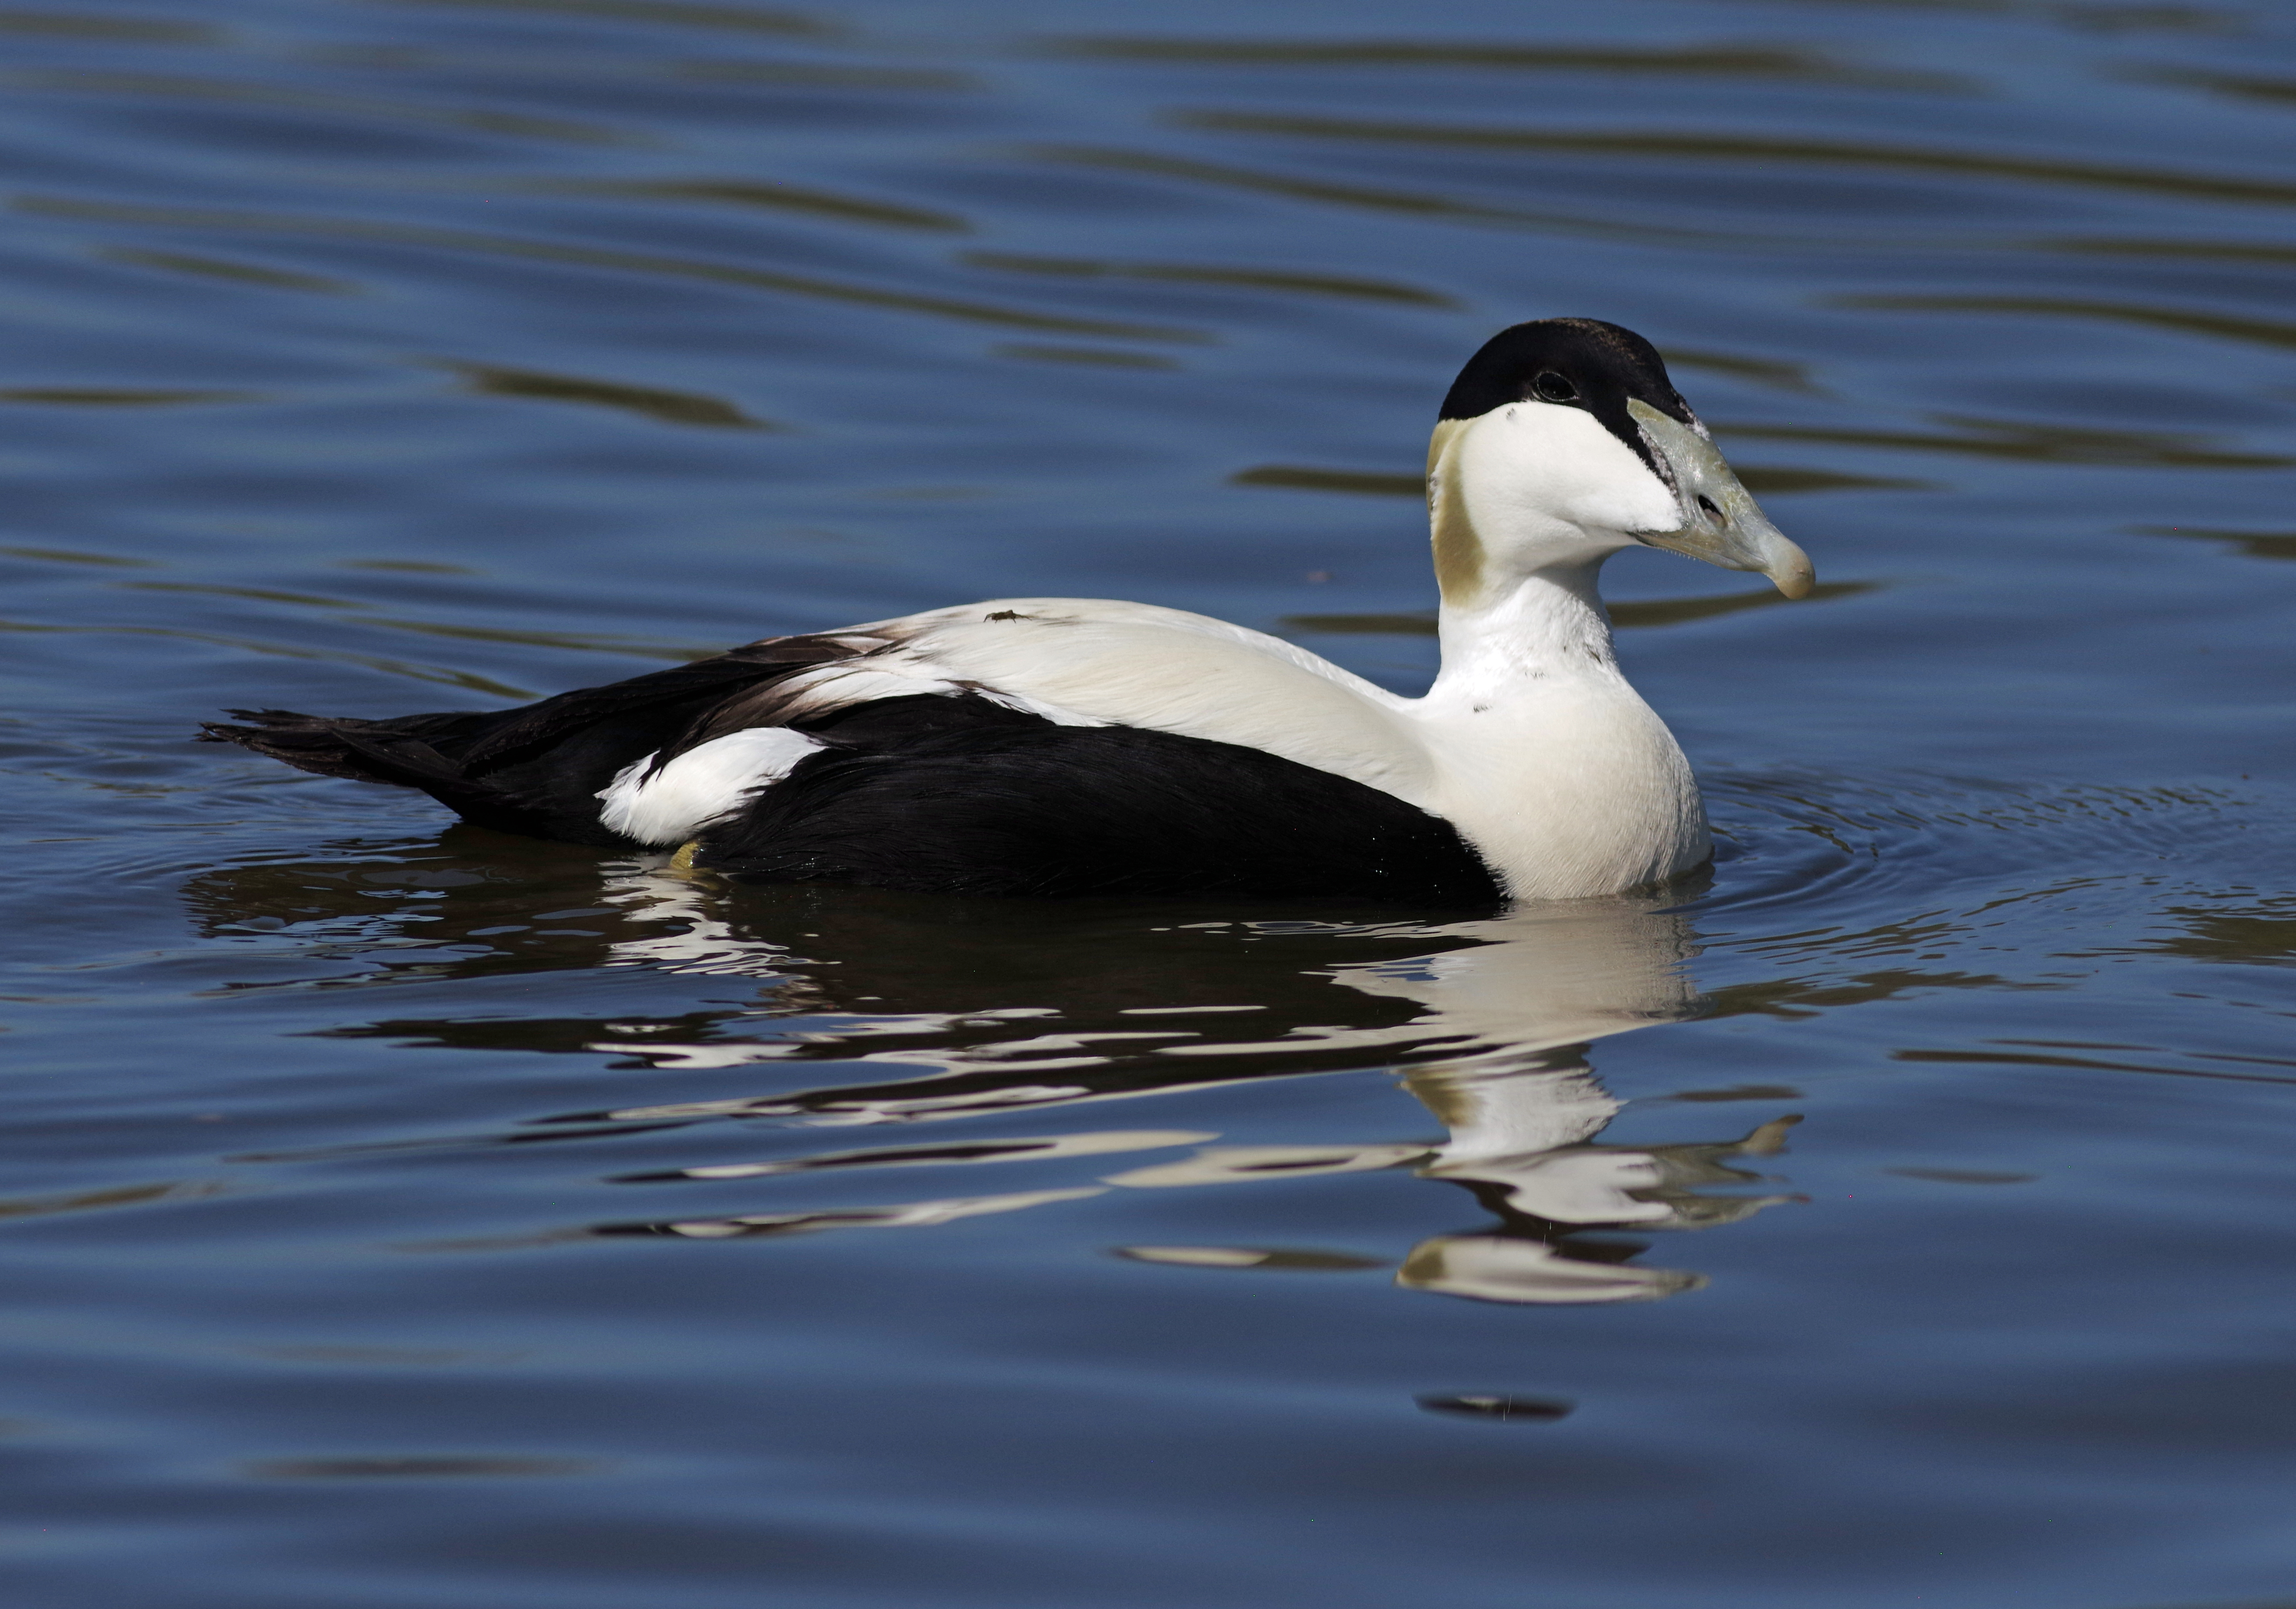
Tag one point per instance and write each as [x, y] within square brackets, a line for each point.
[706, 15]
[1715, 147]
[2183, 320]
[1758, 63]
[648, 402]
[2254, 544]
[466, 242]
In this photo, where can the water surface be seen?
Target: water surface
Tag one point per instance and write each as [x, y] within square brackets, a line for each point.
[402, 1215]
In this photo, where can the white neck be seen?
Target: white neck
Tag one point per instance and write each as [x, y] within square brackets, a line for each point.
[1545, 757]
[1527, 628]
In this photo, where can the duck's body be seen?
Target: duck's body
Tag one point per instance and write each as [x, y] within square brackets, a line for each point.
[1064, 745]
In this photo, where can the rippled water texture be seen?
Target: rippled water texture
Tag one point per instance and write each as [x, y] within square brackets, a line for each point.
[403, 1215]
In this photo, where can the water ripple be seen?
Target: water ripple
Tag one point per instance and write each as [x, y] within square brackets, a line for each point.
[402, 1213]
[1713, 145]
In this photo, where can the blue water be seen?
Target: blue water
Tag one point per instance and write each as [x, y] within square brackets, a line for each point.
[402, 1215]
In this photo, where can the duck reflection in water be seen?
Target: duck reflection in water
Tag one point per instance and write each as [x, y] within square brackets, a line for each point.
[989, 1009]
[1515, 1007]
[1546, 1188]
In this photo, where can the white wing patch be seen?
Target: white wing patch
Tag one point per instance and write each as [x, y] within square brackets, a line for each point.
[708, 782]
[1135, 665]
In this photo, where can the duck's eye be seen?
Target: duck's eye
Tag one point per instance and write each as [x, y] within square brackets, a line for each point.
[1552, 387]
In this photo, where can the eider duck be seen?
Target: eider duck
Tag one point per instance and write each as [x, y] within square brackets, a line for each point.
[1071, 746]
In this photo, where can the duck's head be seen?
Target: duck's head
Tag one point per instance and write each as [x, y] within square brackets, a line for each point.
[1562, 442]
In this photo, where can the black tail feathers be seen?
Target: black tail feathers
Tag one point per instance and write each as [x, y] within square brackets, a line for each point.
[371, 750]
[536, 770]
[406, 752]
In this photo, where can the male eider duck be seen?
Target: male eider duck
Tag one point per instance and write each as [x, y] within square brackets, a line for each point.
[1067, 746]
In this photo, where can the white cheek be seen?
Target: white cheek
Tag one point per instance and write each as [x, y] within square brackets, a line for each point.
[1532, 460]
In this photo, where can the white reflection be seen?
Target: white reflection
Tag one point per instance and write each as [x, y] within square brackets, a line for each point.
[909, 1215]
[1497, 1023]
[1493, 1267]
[1523, 1108]
[648, 890]
[1561, 974]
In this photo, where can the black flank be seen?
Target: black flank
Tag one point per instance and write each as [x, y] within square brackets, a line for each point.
[961, 796]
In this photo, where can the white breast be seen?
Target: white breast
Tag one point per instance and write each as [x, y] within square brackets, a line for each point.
[1569, 787]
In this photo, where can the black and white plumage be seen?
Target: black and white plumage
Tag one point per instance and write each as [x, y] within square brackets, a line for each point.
[1059, 746]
